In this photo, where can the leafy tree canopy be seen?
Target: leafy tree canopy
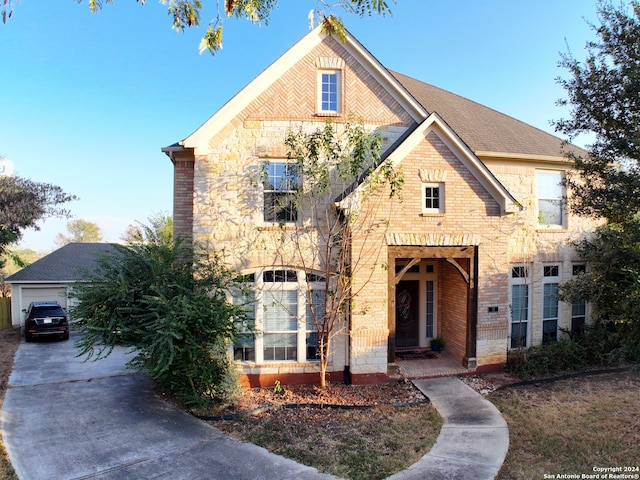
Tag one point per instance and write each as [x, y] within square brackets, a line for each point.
[159, 230]
[332, 161]
[187, 14]
[80, 231]
[23, 203]
[603, 96]
[604, 100]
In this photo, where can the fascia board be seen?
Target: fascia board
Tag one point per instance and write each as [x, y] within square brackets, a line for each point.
[434, 123]
[272, 73]
[252, 90]
[382, 76]
[525, 157]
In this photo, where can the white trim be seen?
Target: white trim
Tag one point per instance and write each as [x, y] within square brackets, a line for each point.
[198, 140]
[526, 156]
[441, 199]
[339, 91]
[433, 123]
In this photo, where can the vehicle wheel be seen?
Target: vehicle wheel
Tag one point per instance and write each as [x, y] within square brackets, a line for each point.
[28, 337]
[65, 336]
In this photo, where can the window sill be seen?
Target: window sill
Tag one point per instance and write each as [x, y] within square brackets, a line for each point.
[278, 363]
[551, 228]
[279, 227]
[432, 214]
[328, 114]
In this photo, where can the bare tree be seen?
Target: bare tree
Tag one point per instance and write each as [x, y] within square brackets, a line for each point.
[339, 167]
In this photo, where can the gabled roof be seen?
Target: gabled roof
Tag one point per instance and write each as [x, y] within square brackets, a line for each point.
[434, 123]
[64, 264]
[486, 131]
[244, 97]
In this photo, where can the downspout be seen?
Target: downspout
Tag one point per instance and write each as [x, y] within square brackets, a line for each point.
[341, 210]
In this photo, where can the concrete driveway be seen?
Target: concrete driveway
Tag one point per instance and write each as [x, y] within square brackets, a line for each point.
[64, 418]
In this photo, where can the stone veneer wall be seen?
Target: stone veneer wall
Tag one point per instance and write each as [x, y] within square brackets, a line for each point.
[535, 245]
[227, 180]
[472, 217]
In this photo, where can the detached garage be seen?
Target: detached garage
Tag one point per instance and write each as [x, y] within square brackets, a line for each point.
[50, 277]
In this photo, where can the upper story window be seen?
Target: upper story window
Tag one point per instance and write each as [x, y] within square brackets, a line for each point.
[433, 198]
[281, 181]
[329, 91]
[329, 85]
[550, 195]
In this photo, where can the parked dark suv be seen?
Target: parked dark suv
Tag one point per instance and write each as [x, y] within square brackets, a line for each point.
[45, 319]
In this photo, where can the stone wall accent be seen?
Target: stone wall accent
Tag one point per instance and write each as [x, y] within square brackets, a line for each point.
[218, 200]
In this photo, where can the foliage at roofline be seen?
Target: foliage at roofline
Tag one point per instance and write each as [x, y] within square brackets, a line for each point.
[187, 14]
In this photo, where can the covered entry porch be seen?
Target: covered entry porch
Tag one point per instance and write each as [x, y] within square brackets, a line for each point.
[441, 364]
[433, 294]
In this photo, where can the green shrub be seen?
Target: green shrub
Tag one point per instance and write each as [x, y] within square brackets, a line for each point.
[603, 344]
[169, 304]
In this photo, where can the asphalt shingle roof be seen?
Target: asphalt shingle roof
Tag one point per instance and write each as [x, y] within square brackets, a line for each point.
[63, 264]
[482, 128]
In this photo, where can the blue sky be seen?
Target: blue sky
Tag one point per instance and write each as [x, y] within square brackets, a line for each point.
[88, 100]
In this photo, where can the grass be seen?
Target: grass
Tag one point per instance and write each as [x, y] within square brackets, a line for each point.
[353, 444]
[565, 427]
[571, 426]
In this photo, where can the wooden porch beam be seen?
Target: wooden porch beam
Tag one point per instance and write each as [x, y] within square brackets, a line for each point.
[406, 268]
[458, 267]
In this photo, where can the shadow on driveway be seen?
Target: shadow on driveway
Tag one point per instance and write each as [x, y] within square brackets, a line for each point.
[65, 418]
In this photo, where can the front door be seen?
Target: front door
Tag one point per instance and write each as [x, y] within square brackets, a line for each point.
[407, 313]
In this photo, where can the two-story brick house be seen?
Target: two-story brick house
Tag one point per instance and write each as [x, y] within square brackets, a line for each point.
[473, 253]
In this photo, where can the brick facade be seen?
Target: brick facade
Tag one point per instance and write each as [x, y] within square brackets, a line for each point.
[471, 245]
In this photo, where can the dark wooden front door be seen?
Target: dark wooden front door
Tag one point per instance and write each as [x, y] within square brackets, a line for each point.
[407, 297]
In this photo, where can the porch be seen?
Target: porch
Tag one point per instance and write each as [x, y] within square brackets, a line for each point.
[428, 365]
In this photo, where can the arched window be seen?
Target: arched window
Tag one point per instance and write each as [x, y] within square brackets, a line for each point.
[285, 306]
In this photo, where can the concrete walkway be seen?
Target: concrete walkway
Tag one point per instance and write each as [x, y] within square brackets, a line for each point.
[64, 418]
[473, 441]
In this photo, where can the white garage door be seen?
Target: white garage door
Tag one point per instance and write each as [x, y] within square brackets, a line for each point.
[43, 294]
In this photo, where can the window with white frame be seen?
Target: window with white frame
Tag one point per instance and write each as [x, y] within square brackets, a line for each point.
[578, 307]
[244, 348]
[433, 198]
[519, 295]
[329, 91]
[287, 304]
[550, 303]
[315, 315]
[280, 184]
[550, 198]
